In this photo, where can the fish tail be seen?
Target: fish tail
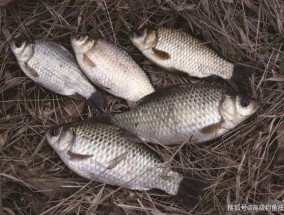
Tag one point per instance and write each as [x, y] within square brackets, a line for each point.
[241, 74]
[190, 191]
[98, 99]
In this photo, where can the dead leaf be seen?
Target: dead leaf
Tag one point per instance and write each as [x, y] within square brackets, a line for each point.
[53, 187]
[95, 202]
[116, 210]
[280, 139]
[38, 204]
[12, 83]
[47, 185]
[21, 131]
[3, 138]
[73, 107]
[8, 211]
[5, 2]
[276, 78]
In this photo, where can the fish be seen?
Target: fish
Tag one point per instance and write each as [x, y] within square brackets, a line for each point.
[175, 50]
[97, 151]
[55, 68]
[111, 68]
[197, 112]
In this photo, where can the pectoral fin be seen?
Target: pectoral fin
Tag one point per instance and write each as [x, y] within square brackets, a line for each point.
[162, 55]
[31, 71]
[211, 129]
[78, 157]
[88, 61]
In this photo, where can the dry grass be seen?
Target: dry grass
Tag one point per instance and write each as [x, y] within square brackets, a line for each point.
[245, 166]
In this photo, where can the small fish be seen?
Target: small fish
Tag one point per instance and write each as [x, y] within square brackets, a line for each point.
[175, 50]
[200, 112]
[96, 151]
[52, 66]
[111, 68]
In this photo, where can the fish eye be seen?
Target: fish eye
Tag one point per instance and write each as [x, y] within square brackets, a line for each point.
[139, 33]
[79, 36]
[244, 102]
[54, 131]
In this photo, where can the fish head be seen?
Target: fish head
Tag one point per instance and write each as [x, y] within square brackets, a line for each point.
[246, 106]
[144, 39]
[238, 108]
[82, 43]
[60, 138]
[22, 50]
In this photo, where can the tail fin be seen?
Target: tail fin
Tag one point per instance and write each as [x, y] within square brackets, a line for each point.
[190, 191]
[240, 78]
[98, 99]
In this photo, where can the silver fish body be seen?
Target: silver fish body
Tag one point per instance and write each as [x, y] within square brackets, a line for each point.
[97, 151]
[52, 66]
[199, 112]
[175, 50]
[111, 68]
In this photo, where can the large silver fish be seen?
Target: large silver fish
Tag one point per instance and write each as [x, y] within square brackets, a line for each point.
[175, 50]
[201, 111]
[52, 66]
[111, 68]
[97, 151]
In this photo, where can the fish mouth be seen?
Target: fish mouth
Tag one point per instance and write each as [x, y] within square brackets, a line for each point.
[78, 38]
[53, 132]
[17, 46]
[138, 33]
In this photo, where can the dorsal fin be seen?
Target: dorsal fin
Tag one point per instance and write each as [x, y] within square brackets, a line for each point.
[156, 94]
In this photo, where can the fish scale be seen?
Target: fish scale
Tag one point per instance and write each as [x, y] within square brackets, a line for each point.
[202, 111]
[89, 148]
[183, 53]
[52, 66]
[111, 68]
[52, 55]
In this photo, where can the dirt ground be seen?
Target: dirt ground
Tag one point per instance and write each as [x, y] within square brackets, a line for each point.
[245, 166]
